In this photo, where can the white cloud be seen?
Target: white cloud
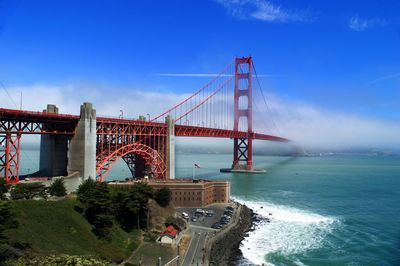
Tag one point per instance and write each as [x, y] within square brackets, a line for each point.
[317, 128]
[305, 124]
[263, 10]
[357, 23]
[384, 78]
[106, 100]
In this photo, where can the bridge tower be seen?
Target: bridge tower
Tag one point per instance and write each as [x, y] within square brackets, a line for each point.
[243, 111]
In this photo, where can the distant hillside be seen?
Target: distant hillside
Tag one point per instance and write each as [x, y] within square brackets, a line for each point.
[54, 227]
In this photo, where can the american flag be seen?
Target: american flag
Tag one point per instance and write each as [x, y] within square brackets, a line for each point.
[197, 165]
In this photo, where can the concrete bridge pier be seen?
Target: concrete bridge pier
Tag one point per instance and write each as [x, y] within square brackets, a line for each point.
[53, 151]
[82, 148]
[170, 147]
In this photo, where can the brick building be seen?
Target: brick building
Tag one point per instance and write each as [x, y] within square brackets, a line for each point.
[189, 192]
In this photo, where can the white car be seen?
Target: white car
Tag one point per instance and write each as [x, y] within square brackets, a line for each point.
[185, 216]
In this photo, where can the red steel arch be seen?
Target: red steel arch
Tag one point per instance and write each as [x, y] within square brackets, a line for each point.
[152, 159]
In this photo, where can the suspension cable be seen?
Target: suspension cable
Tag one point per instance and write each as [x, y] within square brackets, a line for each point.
[16, 106]
[265, 101]
[221, 74]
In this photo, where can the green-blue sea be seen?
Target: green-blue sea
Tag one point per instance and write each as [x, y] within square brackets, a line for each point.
[323, 210]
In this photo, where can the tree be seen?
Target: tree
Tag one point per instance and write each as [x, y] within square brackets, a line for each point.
[96, 201]
[143, 190]
[3, 188]
[163, 196]
[140, 193]
[28, 191]
[7, 220]
[57, 188]
[130, 205]
[126, 209]
[85, 190]
[178, 223]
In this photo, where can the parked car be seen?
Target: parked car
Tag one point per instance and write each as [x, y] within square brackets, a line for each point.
[228, 212]
[225, 219]
[223, 222]
[216, 226]
[185, 216]
[194, 219]
[199, 212]
[209, 213]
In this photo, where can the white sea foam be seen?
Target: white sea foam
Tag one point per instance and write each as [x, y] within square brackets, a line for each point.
[290, 231]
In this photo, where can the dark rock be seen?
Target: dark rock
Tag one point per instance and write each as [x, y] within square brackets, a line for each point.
[226, 250]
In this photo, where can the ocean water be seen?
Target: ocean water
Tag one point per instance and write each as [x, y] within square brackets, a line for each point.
[328, 210]
[333, 210]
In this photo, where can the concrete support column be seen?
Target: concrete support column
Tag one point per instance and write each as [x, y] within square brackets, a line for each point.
[53, 151]
[170, 147]
[82, 148]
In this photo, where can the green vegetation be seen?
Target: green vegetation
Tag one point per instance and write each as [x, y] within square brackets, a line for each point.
[57, 188]
[102, 204]
[28, 191]
[163, 196]
[7, 222]
[55, 227]
[178, 223]
[148, 253]
[101, 224]
[3, 188]
[97, 207]
[57, 260]
[131, 205]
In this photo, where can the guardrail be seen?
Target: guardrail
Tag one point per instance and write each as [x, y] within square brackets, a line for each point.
[172, 261]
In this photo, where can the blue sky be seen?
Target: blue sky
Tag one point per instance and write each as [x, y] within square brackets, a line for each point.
[341, 57]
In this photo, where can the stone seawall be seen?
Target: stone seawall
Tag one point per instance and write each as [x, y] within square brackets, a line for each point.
[225, 246]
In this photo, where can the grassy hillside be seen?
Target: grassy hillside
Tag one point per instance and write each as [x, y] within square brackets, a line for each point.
[53, 227]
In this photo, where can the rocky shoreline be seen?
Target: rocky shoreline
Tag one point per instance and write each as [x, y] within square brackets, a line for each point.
[226, 250]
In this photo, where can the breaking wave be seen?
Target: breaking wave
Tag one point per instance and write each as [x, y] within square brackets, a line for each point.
[284, 230]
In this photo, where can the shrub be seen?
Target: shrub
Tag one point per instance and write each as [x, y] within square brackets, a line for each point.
[28, 191]
[58, 260]
[163, 196]
[102, 224]
[57, 188]
[3, 188]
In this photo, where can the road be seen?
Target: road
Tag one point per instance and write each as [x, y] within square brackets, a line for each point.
[200, 231]
[195, 252]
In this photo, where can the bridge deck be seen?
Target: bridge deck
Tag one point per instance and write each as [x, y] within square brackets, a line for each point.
[29, 122]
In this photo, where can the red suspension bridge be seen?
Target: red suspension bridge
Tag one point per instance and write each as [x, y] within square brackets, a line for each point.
[88, 146]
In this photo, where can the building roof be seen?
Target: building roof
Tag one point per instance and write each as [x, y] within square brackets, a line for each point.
[170, 231]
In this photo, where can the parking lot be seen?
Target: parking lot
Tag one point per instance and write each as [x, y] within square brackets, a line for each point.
[203, 220]
[201, 229]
